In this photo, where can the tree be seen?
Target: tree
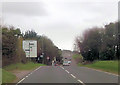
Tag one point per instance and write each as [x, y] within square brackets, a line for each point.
[30, 34]
[11, 51]
[98, 43]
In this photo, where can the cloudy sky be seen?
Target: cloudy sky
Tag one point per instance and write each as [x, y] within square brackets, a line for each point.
[60, 20]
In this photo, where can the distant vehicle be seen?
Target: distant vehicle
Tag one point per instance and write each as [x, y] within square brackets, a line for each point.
[69, 61]
[66, 63]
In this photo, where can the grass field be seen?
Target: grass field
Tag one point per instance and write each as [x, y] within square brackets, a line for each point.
[8, 77]
[20, 66]
[109, 66]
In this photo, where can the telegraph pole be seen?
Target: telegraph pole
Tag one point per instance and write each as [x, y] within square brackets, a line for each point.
[42, 50]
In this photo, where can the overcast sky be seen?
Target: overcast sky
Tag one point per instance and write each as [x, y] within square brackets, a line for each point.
[60, 20]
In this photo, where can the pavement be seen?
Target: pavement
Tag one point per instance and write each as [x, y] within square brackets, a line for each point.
[69, 74]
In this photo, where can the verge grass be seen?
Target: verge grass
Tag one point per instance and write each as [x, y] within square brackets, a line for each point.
[20, 66]
[9, 77]
[109, 66]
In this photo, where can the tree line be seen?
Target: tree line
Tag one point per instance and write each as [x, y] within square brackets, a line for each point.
[99, 43]
[12, 51]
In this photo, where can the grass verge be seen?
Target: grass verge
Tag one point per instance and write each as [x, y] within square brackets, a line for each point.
[20, 66]
[108, 66]
[8, 77]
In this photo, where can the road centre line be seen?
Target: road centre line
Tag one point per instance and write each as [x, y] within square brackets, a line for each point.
[72, 75]
[62, 68]
[67, 71]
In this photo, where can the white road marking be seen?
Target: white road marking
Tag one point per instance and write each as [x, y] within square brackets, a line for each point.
[21, 80]
[72, 75]
[28, 75]
[62, 68]
[67, 71]
[80, 81]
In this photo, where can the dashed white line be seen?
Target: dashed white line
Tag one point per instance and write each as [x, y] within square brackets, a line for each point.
[67, 71]
[72, 75]
[62, 68]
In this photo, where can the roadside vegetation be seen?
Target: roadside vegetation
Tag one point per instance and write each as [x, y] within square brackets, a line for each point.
[99, 48]
[9, 77]
[13, 55]
[99, 43]
[78, 58]
[12, 51]
[21, 66]
[109, 66]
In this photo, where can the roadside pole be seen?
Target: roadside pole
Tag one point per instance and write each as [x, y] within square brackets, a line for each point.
[42, 51]
[29, 52]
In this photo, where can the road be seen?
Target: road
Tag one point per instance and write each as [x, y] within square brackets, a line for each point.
[68, 74]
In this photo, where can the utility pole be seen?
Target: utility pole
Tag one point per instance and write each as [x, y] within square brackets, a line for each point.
[42, 50]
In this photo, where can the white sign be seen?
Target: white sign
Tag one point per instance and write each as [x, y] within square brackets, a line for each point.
[30, 48]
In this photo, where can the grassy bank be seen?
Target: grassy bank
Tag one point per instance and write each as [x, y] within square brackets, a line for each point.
[8, 77]
[20, 66]
[109, 66]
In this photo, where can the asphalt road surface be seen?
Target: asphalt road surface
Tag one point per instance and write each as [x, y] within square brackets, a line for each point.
[68, 74]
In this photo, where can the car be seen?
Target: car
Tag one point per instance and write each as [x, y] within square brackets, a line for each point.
[66, 63]
[69, 62]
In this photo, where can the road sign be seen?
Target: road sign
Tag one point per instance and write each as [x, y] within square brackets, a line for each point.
[30, 48]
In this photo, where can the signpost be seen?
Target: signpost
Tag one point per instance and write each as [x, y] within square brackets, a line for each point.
[30, 48]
